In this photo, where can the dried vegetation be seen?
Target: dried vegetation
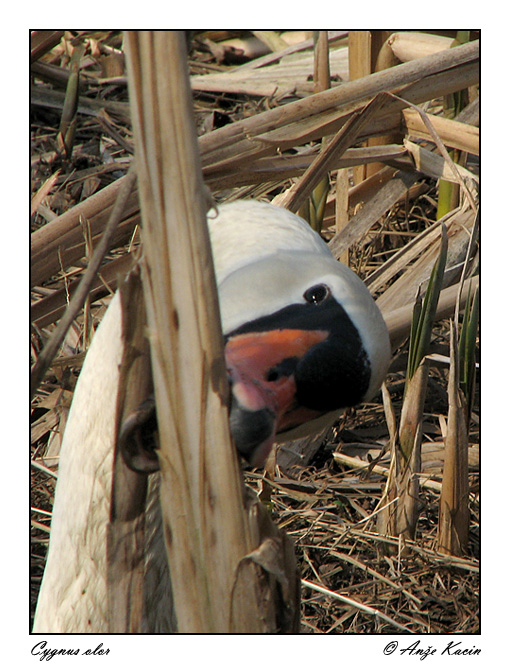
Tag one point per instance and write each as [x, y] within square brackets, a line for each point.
[261, 132]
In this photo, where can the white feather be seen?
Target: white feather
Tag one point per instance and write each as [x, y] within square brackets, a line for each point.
[243, 231]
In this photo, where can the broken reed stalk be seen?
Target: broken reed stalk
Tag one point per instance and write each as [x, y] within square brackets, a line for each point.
[210, 540]
[126, 527]
[453, 523]
[403, 482]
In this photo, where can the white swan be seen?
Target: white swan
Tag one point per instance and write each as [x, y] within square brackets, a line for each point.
[304, 339]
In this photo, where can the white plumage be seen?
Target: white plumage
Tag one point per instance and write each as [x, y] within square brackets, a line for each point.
[265, 259]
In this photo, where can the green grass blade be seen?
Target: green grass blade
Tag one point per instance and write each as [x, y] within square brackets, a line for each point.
[467, 347]
[422, 323]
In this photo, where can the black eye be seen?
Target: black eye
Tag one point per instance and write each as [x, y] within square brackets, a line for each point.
[317, 294]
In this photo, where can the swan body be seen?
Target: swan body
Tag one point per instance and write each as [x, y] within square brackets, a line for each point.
[294, 321]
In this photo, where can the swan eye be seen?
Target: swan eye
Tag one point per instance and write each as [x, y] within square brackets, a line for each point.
[317, 294]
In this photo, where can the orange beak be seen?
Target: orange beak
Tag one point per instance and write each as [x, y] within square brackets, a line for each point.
[261, 368]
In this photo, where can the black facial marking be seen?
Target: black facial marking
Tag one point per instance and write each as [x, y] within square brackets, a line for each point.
[333, 374]
[306, 316]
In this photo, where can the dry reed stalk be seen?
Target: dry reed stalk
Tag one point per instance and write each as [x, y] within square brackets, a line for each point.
[126, 528]
[281, 167]
[453, 524]
[370, 45]
[433, 165]
[42, 41]
[360, 464]
[321, 70]
[407, 46]
[453, 133]
[91, 107]
[360, 54]
[189, 375]
[357, 605]
[454, 514]
[364, 46]
[403, 481]
[211, 544]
